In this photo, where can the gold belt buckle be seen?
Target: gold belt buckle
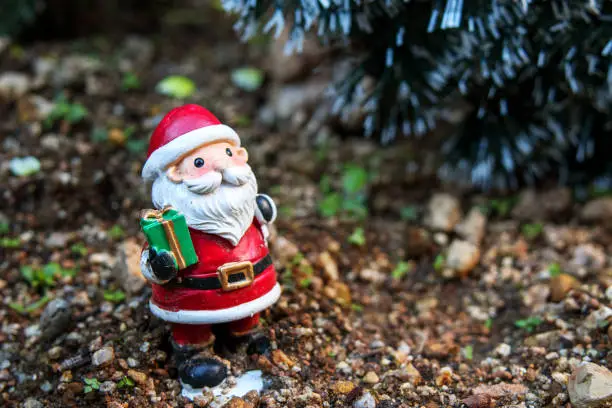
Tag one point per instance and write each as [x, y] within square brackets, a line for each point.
[232, 269]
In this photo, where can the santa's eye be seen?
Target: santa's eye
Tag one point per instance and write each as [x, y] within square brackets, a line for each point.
[229, 152]
[198, 162]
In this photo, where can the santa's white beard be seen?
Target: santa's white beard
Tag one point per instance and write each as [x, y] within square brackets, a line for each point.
[226, 210]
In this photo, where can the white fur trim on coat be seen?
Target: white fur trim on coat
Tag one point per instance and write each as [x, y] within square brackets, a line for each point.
[171, 151]
[221, 315]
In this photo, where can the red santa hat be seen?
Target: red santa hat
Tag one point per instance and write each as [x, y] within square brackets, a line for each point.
[182, 130]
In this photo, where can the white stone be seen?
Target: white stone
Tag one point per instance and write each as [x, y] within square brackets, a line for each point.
[443, 212]
[590, 386]
[503, 350]
[14, 85]
[365, 401]
[251, 380]
[103, 356]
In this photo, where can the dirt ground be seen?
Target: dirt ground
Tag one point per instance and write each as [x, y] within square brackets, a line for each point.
[438, 297]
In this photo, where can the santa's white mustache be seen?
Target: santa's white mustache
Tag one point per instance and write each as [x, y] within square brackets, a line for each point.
[208, 183]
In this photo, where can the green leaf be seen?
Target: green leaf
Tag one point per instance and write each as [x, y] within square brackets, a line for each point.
[468, 352]
[116, 296]
[330, 205]
[130, 81]
[4, 228]
[28, 273]
[79, 249]
[305, 282]
[409, 213]
[99, 135]
[357, 237]
[92, 384]
[325, 184]
[116, 232]
[76, 113]
[488, 323]
[354, 179]
[17, 307]
[439, 262]
[176, 86]
[136, 146]
[6, 242]
[125, 382]
[528, 324]
[554, 269]
[357, 307]
[532, 231]
[355, 208]
[401, 269]
[38, 304]
[248, 78]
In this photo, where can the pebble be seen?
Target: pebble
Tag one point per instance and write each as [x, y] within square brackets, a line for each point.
[473, 227]
[126, 269]
[503, 350]
[108, 387]
[478, 401]
[32, 403]
[329, 265]
[343, 387]
[132, 362]
[589, 256]
[138, 377]
[502, 389]
[144, 347]
[32, 331]
[14, 85]
[46, 386]
[371, 378]
[74, 339]
[55, 352]
[560, 285]
[103, 356]
[284, 250]
[462, 257]
[540, 206]
[367, 400]
[599, 209]
[443, 212]
[590, 386]
[598, 318]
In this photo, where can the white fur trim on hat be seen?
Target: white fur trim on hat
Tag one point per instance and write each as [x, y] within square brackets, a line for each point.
[174, 149]
[229, 314]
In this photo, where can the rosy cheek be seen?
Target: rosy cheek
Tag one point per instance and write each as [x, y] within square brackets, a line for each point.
[192, 172]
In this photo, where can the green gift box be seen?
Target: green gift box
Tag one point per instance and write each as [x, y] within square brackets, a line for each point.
[166, 229]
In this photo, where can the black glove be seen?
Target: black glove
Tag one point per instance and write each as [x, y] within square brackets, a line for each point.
[162, 264]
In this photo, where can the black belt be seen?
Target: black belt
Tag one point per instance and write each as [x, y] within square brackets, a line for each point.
[229, 276]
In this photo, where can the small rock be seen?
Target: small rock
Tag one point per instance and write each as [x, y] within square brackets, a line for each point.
[57, 240]
[32, 331]
[103, 356]
[14, 85]
[370, 378]
[554, 339]
[108, 387]
[202, 401]
[443, 212]
[472, 228]
[279, 357]
[599, 209]
[330, 268]
[445, 377]
[462, 258]
[132, 362]
[599, 318]
[478, 401]
[589, 256]
[55, 352]
[237, 402]
[73, 69]
[284, 250]
[503, 350]
[343, 387]
[501, 390]
[367, 400]
[56, 318]
[127, 267]
[138, 377]
[32, 403]
[541, 206]
[34, 108]
[590, 386]
[560, 285]
[418, 242]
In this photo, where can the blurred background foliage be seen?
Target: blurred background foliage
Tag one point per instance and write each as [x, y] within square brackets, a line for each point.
[525, 85]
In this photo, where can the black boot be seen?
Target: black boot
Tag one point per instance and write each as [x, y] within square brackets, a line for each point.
[198, 366]
[199, 371]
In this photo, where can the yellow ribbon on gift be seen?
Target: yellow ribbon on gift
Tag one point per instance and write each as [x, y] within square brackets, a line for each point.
[168, 226]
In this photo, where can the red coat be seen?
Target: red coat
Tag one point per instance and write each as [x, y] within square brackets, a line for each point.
[186, 305]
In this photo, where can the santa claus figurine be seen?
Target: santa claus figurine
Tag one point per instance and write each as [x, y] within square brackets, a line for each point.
[197, 166]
